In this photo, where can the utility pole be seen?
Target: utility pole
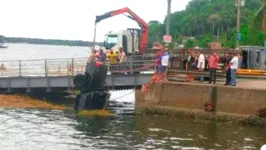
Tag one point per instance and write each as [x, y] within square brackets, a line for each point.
[168, 19]
[238, 22]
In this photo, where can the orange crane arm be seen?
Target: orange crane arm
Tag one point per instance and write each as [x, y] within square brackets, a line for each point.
[143, 25]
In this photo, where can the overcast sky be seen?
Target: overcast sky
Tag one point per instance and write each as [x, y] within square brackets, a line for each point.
[74, 19]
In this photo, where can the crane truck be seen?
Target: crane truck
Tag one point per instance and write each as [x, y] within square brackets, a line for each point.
[133, 41]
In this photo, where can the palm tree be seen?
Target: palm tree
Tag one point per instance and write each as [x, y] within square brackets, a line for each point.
[213, 19]
[260, 19]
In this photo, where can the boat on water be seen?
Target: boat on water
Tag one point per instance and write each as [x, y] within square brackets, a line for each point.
[2, 42]
[3, 45]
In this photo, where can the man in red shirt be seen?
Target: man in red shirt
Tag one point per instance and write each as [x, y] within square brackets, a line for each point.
[158, 61]
[213, 65]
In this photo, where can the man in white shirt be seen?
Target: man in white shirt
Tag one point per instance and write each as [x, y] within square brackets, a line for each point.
[164, 61]
[233, 66]
[201, 64]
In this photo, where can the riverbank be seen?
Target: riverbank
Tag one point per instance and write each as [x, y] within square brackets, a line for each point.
[241, 104]
[19, 101]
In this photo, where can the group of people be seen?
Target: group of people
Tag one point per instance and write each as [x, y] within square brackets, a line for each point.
[198, 61]
[113, 57]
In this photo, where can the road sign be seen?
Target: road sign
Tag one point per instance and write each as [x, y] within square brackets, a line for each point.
[238, 36]
[167, 38]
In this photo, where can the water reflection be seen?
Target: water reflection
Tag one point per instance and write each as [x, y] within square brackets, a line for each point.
[43, 129]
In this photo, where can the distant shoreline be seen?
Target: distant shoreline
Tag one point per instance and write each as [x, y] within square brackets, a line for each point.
[50, 41]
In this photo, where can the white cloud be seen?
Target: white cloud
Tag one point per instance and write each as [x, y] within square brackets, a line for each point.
[74, 19]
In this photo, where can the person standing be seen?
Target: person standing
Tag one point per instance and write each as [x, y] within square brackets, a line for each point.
[228, 70]
[233, 65]
[191, 60]
[113, 57]
[164, 61]
[164, 64]
[213, 65]
[92, 56]
[113, 60]
[122, 55]
[122, 59]
[158, 61]
[102, 56]
[201, 64]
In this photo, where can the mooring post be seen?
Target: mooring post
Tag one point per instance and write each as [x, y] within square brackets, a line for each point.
[45, 67]
[112, 82]
[8, 85]
[135, 80]
[130, 61]
[72, 61]
[213, 98]
[67, 69]
[28, 85]
[19, 63]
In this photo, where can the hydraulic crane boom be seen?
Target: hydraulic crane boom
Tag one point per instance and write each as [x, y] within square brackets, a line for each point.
[143, 25]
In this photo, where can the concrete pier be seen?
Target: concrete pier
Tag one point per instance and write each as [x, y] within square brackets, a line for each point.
[246, 100]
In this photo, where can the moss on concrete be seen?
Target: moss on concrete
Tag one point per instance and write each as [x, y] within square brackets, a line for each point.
[199, 114]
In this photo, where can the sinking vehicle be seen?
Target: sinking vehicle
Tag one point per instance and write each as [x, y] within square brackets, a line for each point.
[94, 95]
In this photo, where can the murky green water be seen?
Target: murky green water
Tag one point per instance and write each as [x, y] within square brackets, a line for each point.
[23, 129]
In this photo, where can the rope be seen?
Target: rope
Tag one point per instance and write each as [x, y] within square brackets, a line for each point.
[122, 96]
[136, 69]
[155, 78]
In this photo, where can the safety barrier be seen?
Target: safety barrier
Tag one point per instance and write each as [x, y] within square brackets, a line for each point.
[184, 76]
[66, 66]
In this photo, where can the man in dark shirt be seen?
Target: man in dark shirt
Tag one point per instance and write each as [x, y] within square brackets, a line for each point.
[227, 60]
[102, 56]
[191, 60]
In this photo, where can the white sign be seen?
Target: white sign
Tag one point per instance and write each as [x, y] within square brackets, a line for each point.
[263, 147]
[167, 38]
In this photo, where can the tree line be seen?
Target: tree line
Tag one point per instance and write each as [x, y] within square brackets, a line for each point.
[206, 19]
[203, 20]
[47, 41]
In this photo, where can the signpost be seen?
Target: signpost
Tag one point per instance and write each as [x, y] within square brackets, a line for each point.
[167, 39]
[238, 36]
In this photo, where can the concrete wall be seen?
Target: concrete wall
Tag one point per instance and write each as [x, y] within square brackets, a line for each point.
[231, 100]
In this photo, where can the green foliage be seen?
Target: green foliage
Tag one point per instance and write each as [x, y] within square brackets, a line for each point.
[156, 31]
[202, 18]
[252, 36]
[259, 16]
[203, 41]
[189, 43]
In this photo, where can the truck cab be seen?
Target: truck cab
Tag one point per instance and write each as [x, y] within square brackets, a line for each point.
[253, 57]
[126, 39]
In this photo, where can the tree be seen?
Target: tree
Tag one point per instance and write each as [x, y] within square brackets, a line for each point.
[252, 36]
[213, 19]
[203, 41]
[202, 17]
[260, 18]
[155, 31]
[189, 43]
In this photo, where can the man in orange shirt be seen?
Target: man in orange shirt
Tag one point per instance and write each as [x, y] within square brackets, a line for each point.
[213, 65]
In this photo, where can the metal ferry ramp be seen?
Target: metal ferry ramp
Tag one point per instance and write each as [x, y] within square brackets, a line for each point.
[56, 75]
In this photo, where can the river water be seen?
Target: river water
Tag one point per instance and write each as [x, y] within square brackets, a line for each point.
[36, 129]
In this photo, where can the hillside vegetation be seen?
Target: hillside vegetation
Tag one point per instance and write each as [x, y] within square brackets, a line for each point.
[47, 41]
[202, 19]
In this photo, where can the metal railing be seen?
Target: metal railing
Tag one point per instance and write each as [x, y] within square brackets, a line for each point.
[63, 66]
